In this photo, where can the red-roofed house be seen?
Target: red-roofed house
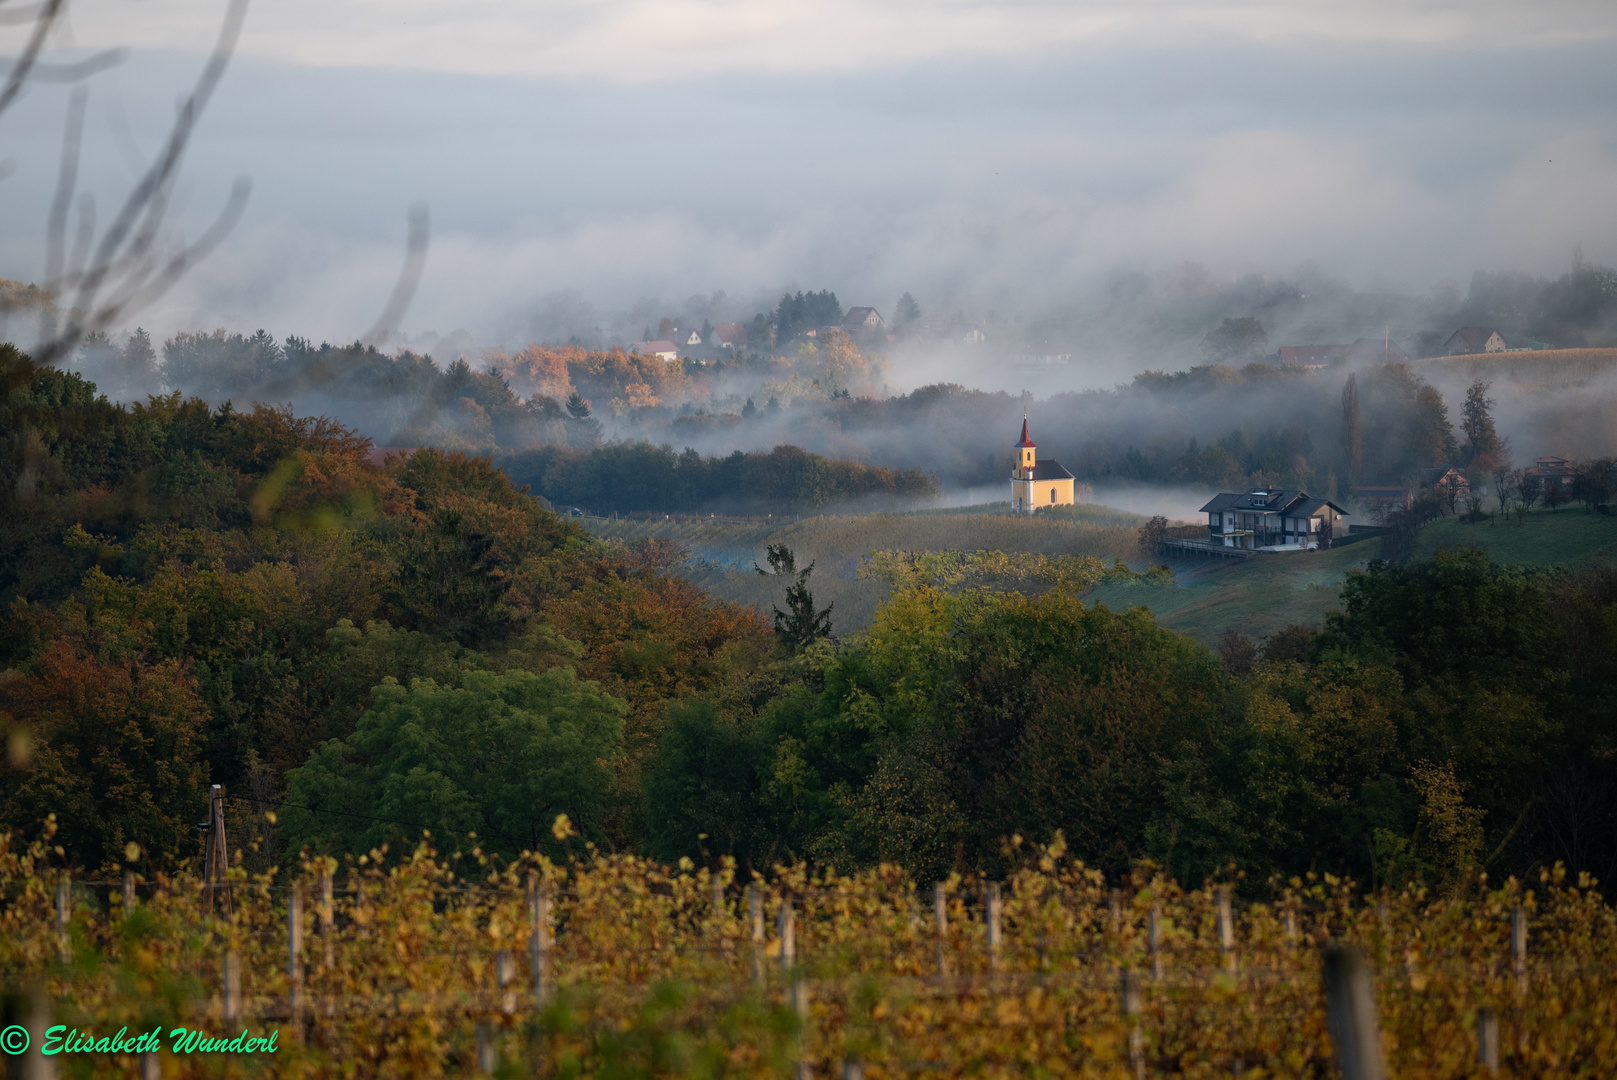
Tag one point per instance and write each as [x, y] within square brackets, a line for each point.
[1363, 350]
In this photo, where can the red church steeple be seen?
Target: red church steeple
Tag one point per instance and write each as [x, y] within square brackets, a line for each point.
[1027, 441]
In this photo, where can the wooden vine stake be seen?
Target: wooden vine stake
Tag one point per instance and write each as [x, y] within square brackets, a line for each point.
[64, 914]
[1350, 1014]
[232, 986]
[1518, 947]
[294, 960]
[992, 917]
[129, 893]
[940, 917]
[755, 912]
[541, 938]
[797, 987]
[216, 853]
[1226, 927]
[1128, 994]
[1154, 939]
[1488, 1039]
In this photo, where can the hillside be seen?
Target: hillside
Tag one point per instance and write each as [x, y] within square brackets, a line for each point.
[1569, 536]
[1544, 369]
[723, 550]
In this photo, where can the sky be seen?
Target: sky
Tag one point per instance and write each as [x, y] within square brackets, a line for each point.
[579, 157]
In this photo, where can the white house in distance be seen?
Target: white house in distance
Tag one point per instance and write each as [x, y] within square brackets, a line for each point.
[662, 350]
[1268, 519]
[1036, 483]
[861, 320]
[1474, 339]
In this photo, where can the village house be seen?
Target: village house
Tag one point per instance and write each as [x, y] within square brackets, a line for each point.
[1552, 471]
[1474, 339]
[1445, 480]
[662, 350]
[1271, 519]
[862, 320]
[1361, 350]
[1036, 483]
[729, 336]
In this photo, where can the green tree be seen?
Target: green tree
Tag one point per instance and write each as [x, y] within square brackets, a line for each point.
[500, 756]
[906, 313]
[1483, 449]
[799, 625]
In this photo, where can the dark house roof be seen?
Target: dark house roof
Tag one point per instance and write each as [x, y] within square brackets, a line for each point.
[859, 317]
[1474, 336]
[1050, 469]
[1271, 501]
[1440, 472]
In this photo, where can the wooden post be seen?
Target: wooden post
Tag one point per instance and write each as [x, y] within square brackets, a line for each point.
[1518, 946]
[1154, 939]
[216, 863]
[991, 915]
[797, 987]
[853, 1069]
[755, 909]
[1291, 927]
[64, 913]
[328, 916]
[1128, 997]
[1350, 1014]
[940, 916]
[1226, 927]
[129, 893]
[1488, 1039]
[717, 883]
[151, 1066]
[294, 960]
[232, 986]
[505, 970]
[487, 1059]
[541, 938]
[1117, 910]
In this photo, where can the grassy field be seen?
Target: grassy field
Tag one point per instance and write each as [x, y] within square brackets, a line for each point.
[1256, 597]
[1563, 537]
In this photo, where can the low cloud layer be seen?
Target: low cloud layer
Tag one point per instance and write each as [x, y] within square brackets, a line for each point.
[1004, 160]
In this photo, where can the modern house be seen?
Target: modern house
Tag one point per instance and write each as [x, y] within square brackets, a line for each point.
[1474, 339]
[1036, 483]
[1270, 519]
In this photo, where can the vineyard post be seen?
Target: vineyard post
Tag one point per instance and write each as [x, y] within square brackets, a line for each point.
[717, 881]
[940, 916]
[505, 970]
[992, 916]
[755, 909]
[1154, 939]
[541, 937]
[1350, 1014]
[151, 1067]
[1518, 946]
[129, 893]
[1291, 926]
[1226, 927]
[232, 985]
[216, 864]
[64, 911]
[294, 960]
[853, 1069]
[798, 988]
[328, 916]
[1488, 1039]
[1128, 994]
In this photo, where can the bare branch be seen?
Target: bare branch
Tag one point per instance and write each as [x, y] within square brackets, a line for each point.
[415, 261]
[20, 68]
